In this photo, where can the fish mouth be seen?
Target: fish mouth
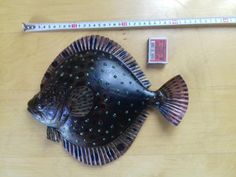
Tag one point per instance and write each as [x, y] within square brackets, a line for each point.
[30, 110]
[36, 114]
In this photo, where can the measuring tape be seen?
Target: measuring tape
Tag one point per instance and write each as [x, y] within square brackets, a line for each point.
[206, 21]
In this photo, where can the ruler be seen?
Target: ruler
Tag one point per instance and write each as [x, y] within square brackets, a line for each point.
[124, 24]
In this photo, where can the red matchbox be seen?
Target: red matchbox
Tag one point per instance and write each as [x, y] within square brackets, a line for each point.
[157, 50]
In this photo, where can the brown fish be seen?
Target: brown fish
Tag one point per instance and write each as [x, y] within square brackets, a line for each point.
[94, 98]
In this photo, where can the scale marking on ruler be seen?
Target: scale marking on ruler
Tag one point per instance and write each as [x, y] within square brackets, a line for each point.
[160, 23]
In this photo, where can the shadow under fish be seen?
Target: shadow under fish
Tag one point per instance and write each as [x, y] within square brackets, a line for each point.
[94, 97]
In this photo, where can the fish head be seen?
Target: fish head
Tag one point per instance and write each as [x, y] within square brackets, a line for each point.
[45, 108]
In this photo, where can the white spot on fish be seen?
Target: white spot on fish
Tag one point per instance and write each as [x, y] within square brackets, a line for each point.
[71, 75]
[81, 133]
[100, 122]
[103, 139]
[62, 74]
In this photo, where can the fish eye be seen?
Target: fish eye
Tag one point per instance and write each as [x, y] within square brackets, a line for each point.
[40, 106]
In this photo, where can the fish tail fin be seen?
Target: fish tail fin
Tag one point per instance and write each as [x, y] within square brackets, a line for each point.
[172, 99]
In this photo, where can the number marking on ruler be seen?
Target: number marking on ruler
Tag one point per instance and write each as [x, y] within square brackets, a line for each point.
[161, 23]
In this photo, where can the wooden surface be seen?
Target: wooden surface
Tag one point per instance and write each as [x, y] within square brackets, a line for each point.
[205, 142]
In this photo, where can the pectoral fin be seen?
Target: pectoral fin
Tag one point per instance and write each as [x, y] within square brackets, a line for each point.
[81, 101]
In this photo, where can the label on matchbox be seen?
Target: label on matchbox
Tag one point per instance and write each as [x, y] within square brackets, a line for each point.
[157, 50]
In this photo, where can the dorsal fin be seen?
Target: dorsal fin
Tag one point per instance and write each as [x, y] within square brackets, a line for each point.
[98, 43]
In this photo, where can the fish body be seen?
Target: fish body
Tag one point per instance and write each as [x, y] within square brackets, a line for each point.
[94, 99]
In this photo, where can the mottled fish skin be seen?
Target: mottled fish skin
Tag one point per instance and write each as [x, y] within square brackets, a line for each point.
[94, 98]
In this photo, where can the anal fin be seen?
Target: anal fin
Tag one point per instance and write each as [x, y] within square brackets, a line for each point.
[101, 155]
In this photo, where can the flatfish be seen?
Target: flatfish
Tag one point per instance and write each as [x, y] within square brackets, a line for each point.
[94, 99]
